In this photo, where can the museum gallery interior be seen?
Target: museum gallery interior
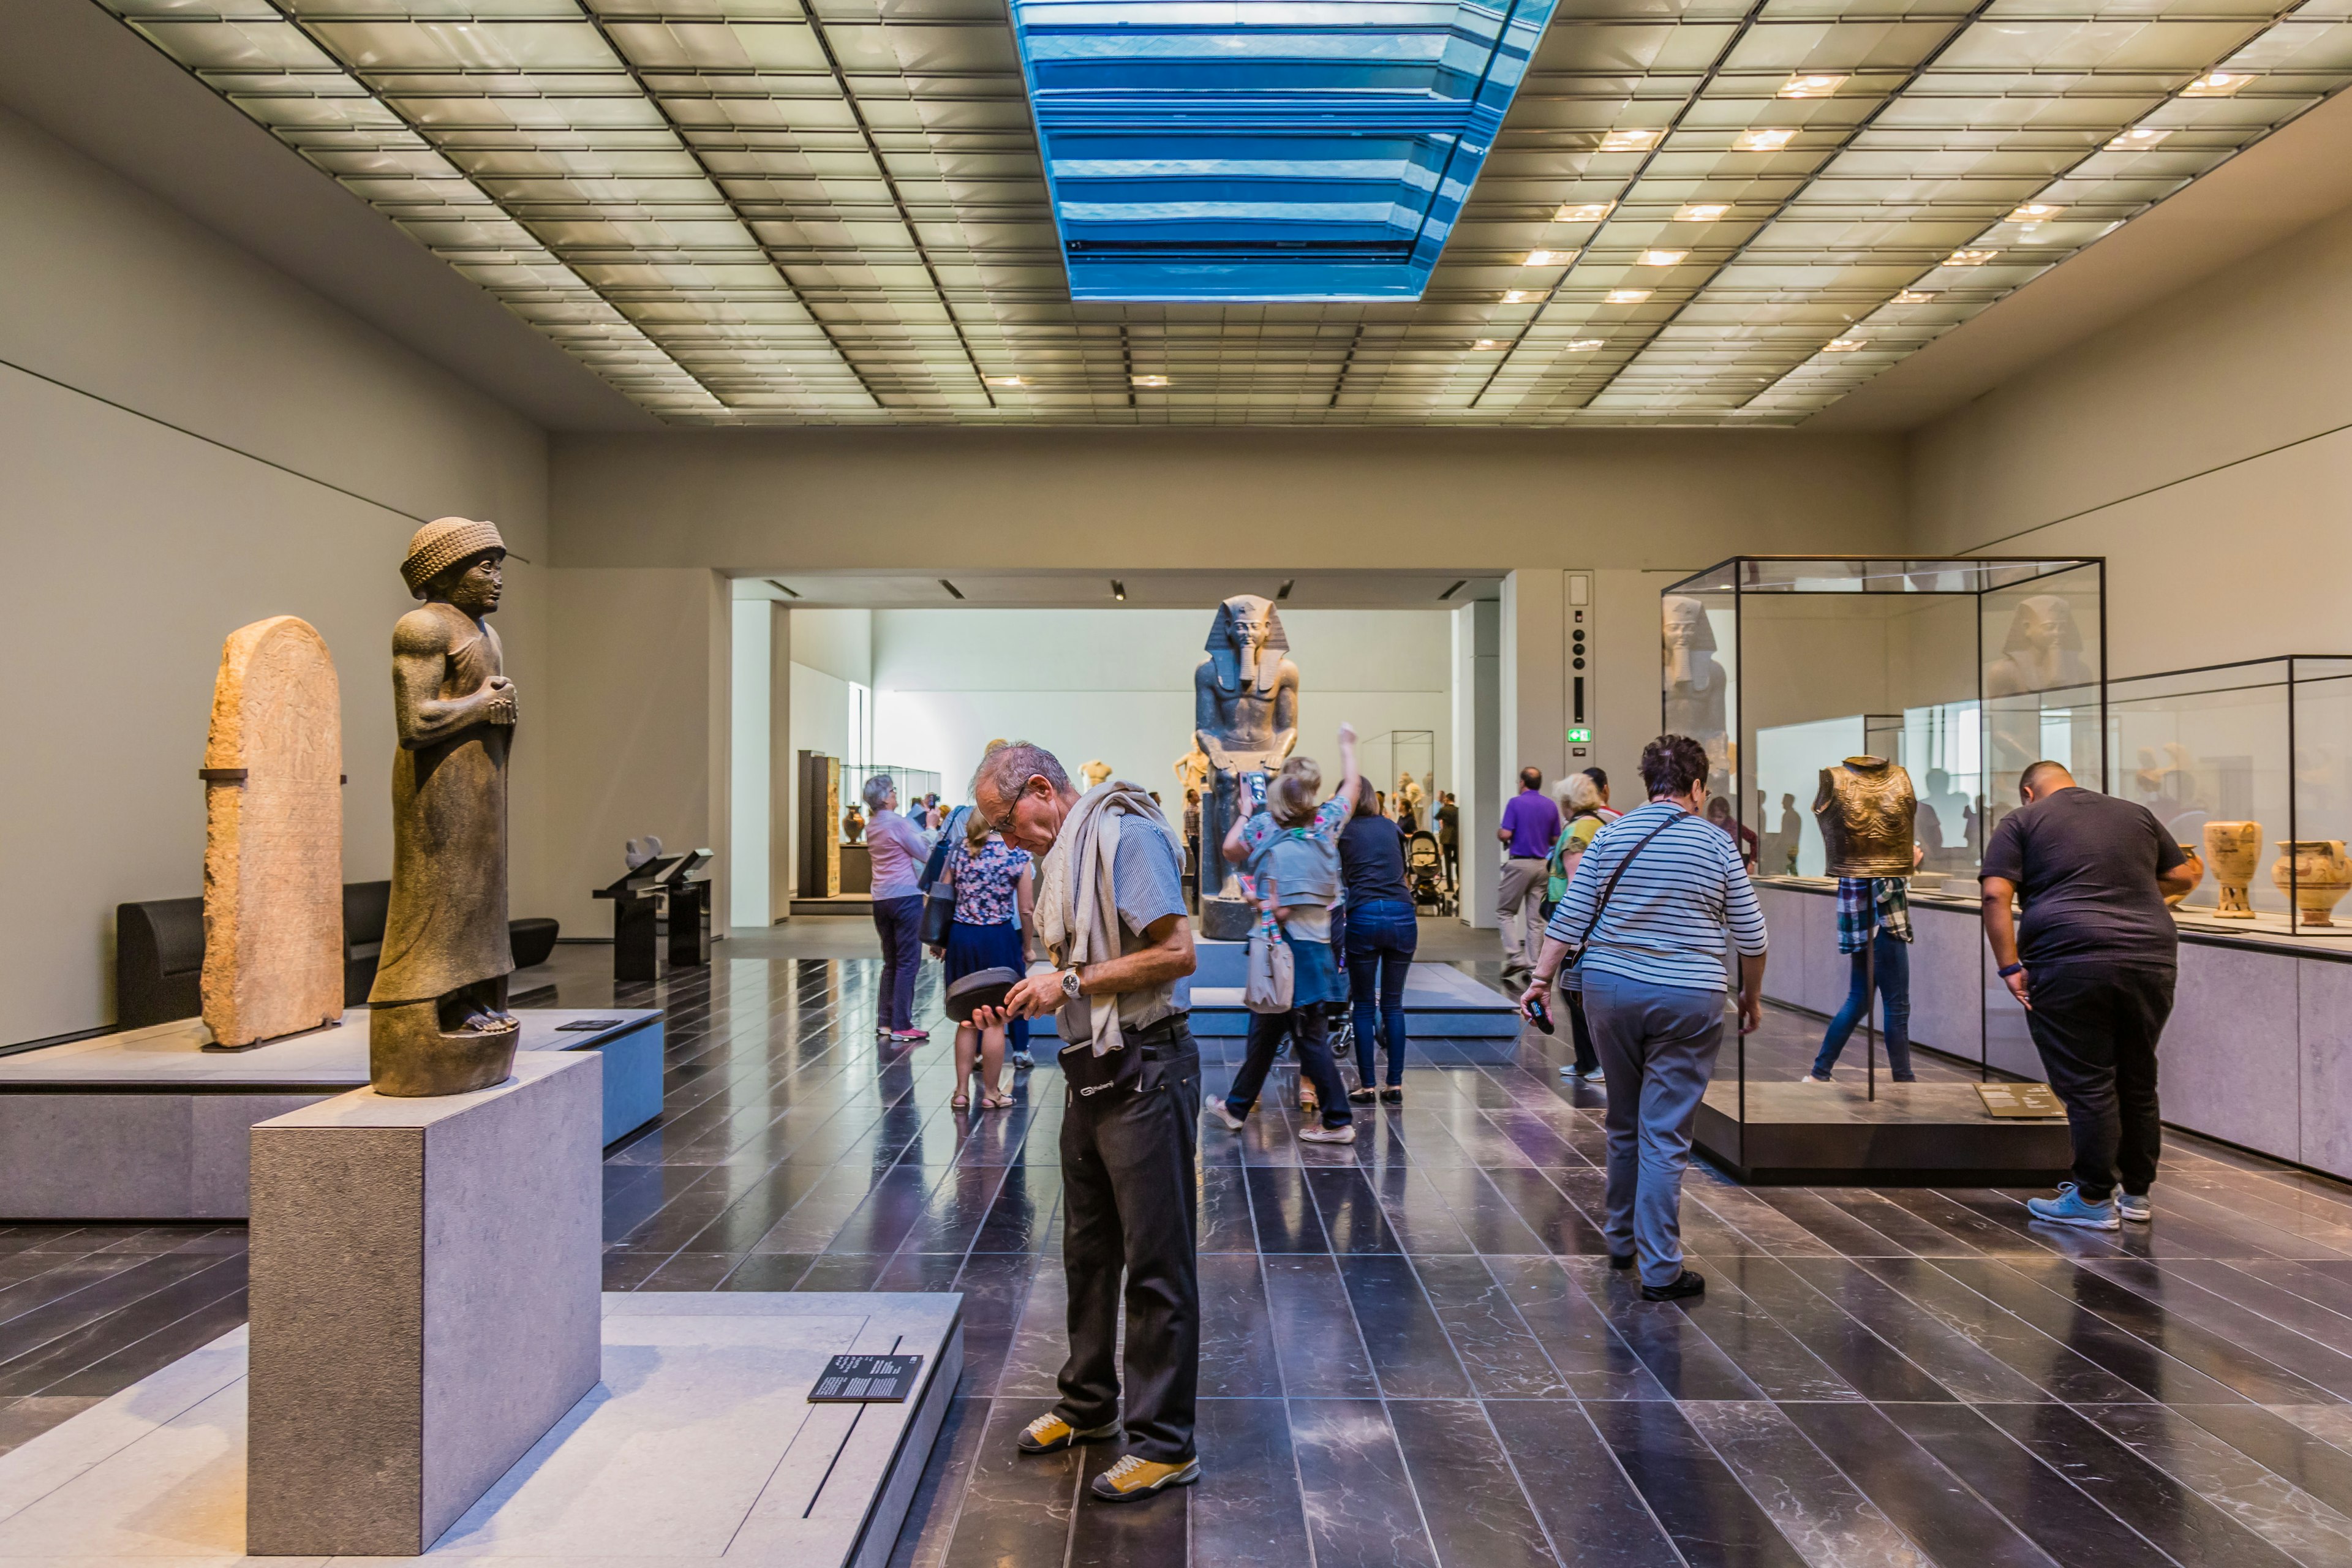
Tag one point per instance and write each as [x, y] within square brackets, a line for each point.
[565, 1101]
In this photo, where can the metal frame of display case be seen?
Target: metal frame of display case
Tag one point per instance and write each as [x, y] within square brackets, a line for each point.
[1740, 576]
[2288, 681]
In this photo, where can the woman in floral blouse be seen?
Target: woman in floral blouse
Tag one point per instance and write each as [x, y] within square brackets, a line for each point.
[995, 893]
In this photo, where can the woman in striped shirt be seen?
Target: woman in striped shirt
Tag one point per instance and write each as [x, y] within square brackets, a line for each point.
[1650, 966]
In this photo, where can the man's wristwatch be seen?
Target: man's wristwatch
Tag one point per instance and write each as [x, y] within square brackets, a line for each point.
[1070, 984]
[2006, 969]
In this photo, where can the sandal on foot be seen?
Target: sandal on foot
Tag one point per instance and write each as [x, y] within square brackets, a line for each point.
[961, 1103]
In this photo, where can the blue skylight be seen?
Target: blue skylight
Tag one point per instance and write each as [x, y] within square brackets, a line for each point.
[1266, 149]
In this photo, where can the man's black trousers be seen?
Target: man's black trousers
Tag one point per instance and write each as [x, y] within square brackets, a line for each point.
[1129, 1202]
[2097, 1025]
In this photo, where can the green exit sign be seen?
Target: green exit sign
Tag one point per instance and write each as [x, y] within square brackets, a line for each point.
[1580, 736]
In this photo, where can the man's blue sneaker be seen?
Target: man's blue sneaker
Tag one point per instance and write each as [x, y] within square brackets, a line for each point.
[2135, 1206]
[2068, 1208]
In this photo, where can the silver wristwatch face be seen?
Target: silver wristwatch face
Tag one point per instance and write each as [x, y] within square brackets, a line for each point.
[1070, 984]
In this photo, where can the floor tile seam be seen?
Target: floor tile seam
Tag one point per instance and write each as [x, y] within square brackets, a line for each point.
[1846, 1313]
[2337, 1289]
[35, 1350]
[1837, 1247]
[2260, 1206]
[1969, 1487]
[2192, 1204]
[2043, 1333]
[142, 1261]
[1786, 1327]
[1837, 1469]
[2195, 1284]
[1725, 1350]
[2222, 1341]
[2181, 1412]
[192, 1314]
[2078, 1410]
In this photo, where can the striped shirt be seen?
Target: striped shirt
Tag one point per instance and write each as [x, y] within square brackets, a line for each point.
[1664, 924]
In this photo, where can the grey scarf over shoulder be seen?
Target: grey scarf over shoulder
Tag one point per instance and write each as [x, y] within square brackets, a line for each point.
[1077, 897]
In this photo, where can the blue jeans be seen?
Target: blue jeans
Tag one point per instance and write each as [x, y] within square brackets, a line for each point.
[900, 923]
[1894, 964]
[1657, 1045]
[1381, 935]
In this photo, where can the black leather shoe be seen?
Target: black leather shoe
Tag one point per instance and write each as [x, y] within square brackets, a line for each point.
[1620, 1260]
[1684, 1284]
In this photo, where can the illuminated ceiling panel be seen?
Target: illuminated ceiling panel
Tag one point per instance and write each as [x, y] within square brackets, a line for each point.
[835, 211]
[1261, 149]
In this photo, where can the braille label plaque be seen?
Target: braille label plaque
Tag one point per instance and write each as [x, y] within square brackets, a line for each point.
[867, 1380]
[2019, 1100]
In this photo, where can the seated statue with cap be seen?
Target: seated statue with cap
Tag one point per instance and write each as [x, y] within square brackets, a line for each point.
[438, 1022]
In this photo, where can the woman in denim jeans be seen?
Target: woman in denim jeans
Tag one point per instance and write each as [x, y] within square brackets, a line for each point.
[1382, 933]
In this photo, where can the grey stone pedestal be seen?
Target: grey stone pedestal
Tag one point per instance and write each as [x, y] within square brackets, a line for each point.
[425, 1303]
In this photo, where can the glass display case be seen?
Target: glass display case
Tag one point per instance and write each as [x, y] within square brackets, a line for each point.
[1964, 671]
[2249, 767]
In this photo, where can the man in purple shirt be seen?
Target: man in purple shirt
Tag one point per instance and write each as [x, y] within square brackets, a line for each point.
[1530, 825]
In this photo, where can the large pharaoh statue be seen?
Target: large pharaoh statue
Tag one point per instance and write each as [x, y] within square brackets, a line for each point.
[438, 1022]
[1694, 683]
[1244, 715]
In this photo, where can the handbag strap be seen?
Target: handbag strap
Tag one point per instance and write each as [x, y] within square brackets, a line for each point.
[1600, 905]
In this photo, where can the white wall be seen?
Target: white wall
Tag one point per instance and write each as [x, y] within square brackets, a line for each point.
[2203, 446]
[749, 803]
[1118, 685]
[190, 442]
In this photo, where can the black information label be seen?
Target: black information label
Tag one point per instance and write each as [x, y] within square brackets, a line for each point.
[867, 1380]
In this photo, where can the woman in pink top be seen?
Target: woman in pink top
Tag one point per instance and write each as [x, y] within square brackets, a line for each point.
[899, 853]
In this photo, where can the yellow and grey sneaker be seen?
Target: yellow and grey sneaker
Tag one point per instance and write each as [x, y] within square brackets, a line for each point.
[1134, 1477]
[1049, 1434]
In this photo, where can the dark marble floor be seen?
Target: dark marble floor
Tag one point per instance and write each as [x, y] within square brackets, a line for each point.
[1414, 1351]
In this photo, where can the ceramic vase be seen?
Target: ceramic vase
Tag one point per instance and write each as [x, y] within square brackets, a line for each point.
[2233, 849]
[2196, 865]
[2316, 874]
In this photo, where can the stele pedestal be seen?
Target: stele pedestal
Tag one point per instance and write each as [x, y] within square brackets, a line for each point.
[425, 1303]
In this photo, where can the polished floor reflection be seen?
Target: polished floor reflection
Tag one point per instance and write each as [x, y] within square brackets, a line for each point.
[1415, 1353]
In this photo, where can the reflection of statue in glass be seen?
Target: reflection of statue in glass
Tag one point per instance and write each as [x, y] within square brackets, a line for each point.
[1244, 713]
[1192, 770]
[438, 1022]
[1411, 797]
[1792, 834]
[1943, 812]
[2042, 652]
[1694, 682]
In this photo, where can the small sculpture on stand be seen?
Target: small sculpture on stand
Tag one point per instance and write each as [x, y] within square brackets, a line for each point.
[438, 1021]
[2316, 874]
[1094, 773]
[2232, 849]
[1245, 719]
[1193, 771]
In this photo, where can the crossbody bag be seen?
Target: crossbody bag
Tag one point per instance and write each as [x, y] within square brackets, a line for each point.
[1600, 905]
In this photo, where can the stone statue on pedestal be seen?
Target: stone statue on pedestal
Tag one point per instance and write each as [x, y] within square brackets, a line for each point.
[439, 1023]
[1244, 716]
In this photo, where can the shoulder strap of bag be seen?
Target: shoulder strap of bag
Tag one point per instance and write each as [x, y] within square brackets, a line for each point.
[1600, 905]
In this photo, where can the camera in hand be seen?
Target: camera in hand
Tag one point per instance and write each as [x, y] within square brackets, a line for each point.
[1538, 1014]
[1256, 782]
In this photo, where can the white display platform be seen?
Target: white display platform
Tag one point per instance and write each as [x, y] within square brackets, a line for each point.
[1475, 1022]
[697, 1447]
[149, 1125]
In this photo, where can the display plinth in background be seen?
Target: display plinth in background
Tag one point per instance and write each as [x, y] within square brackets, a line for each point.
[1912, 1134]
[426, 1297]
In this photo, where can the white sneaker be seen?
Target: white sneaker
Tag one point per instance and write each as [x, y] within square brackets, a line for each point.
[1809, 1077]
[1218, 1108]
[1345, 1134]
[2135, 1206]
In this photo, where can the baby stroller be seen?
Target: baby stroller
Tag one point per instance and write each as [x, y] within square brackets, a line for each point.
[1424, 872]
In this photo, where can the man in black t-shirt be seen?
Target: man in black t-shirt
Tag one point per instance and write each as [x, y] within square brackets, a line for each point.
[1449, 839]
[2092, 963]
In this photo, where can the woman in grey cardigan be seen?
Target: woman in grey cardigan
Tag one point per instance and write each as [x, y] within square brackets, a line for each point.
[1647, 916]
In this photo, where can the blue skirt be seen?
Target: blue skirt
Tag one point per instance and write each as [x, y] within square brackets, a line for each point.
[1314, 975]
[972, 949]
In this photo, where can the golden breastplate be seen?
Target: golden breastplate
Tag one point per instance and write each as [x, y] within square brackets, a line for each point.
[1865, 808]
